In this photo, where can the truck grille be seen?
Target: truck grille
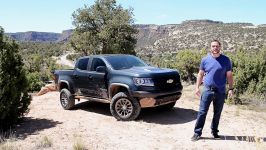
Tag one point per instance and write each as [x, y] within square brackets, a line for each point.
[167, 82]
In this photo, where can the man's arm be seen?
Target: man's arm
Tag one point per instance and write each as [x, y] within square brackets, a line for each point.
[199, 81]
[229, 76]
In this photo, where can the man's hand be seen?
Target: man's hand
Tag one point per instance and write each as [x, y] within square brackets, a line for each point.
[230, 80]
[197, 92]
[230, 93]
[199, 81]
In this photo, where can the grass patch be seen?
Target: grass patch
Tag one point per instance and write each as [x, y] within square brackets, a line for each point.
[45, 142]
[237, 113]
[79, 145]
[253, 102]
[249, 102]
[8, 146]
[7, 140]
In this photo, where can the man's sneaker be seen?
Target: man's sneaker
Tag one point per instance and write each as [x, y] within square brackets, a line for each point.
[216, 136]
[195, 137]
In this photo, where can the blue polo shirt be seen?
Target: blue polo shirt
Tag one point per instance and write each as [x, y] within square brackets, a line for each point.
[215, 71]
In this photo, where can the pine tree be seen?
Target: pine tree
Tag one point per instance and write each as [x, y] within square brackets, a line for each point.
[14, 98]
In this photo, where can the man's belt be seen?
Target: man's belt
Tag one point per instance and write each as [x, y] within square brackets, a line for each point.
[212, 88]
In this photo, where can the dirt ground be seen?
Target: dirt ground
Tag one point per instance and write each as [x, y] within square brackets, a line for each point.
[91, 126]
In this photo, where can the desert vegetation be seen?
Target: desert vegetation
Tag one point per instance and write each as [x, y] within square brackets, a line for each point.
[39, 60]
[249, 67]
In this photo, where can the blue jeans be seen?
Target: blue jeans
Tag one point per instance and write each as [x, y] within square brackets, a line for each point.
[207, 97]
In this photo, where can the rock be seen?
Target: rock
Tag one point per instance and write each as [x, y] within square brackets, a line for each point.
[47, 88]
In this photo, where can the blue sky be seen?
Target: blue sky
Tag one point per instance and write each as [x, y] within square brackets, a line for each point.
[56, 15]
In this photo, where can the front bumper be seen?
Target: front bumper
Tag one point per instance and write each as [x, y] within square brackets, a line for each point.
[148, 94]
[152, 99]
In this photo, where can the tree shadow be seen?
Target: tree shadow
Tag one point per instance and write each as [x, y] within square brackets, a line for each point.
[31, 126]
[173, 116]
[238, 138]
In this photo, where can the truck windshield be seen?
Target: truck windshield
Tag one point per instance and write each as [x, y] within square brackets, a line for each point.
[125, 62]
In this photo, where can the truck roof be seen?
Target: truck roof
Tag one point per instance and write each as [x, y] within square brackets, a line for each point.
[106, 55]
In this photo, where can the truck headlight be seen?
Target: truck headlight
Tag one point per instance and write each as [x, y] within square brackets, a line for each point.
[143, 81]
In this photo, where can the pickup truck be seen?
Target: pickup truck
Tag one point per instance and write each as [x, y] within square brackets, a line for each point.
[124, 81]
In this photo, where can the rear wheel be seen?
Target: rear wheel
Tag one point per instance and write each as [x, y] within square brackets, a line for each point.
[66, 99]
[124, 108]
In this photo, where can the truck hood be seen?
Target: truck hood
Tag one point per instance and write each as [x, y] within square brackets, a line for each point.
[147, 71]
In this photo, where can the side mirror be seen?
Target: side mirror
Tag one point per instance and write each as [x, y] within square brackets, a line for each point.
[149, 64]
[101, 69]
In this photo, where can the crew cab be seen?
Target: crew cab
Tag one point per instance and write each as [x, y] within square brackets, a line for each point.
[124, 81]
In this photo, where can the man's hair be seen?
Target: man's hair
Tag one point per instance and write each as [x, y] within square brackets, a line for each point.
[216, 41]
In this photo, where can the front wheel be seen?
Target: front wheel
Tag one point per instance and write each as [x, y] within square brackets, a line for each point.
[66, 99]
[124, 108]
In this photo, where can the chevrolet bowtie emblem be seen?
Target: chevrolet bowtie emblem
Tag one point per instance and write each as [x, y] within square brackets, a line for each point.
[170, 81]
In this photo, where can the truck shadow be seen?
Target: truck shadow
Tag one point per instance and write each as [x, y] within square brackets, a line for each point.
[149, 115]
[238, 138]
[96, 107]
[173, 116]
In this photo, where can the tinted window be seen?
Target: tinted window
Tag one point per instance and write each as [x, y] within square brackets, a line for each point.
[96, 62]
[82, 64]
[125, 62]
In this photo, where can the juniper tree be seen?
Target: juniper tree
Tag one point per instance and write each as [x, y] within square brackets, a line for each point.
[14, 98]
[104, 27]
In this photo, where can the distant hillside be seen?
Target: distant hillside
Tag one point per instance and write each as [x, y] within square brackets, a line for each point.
[191, 34]
[35, 36]
[65, 35]
[148, 34]
[41, 36]
[196, 34]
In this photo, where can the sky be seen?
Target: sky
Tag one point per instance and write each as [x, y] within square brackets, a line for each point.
[56, 15]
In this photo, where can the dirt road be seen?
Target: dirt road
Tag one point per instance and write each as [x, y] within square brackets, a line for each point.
[64, 61]
[90, 124]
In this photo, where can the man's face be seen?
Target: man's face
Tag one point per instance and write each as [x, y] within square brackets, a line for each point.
[215, 48]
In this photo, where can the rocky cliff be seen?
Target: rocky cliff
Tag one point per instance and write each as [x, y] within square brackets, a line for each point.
[191, 34]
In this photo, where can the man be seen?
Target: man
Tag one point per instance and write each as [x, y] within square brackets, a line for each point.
[215, 68]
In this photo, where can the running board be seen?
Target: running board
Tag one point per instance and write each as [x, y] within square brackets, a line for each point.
[93, 99]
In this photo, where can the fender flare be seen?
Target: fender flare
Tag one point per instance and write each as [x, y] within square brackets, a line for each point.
[63, 81]
[113, 85]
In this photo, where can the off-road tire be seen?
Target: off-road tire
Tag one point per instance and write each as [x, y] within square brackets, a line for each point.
[66, 99]
[124, 108]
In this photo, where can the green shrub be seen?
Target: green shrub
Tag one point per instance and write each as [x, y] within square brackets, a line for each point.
[35, 82]
[39, 70]
[188, 61]
[249, 69]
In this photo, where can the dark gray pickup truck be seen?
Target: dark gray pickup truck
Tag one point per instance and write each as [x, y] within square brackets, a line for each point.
[124, 81]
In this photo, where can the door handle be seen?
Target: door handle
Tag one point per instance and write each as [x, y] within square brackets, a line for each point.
[76, 76]
[90, 77]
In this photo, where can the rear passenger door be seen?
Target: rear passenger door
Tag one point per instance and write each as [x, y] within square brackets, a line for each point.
[81, 77]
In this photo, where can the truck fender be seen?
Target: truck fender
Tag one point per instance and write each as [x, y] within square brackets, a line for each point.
[114, 86]
[63, 82]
